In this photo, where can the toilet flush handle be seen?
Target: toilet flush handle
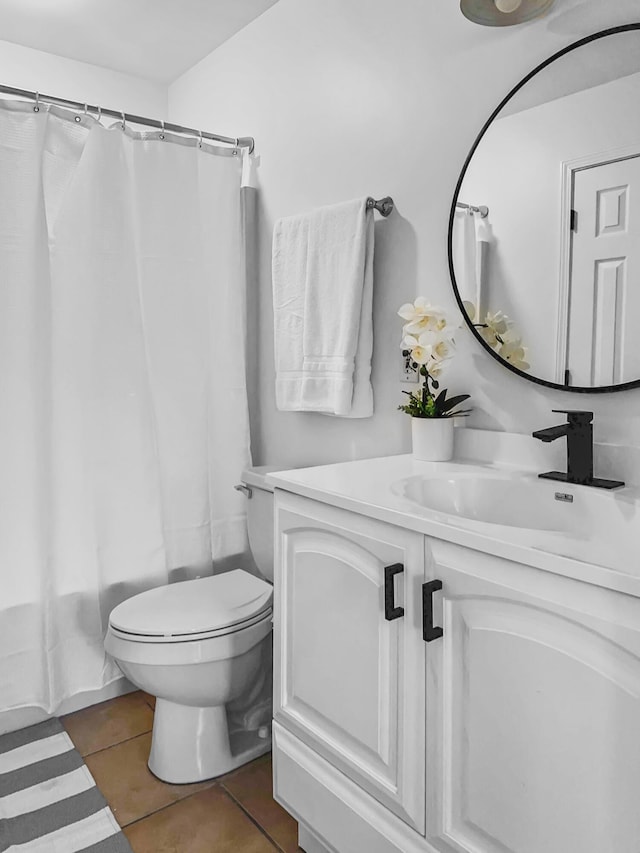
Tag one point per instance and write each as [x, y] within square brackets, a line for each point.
[244, 489]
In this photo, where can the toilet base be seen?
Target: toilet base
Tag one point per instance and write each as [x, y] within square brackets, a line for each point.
[192, 744]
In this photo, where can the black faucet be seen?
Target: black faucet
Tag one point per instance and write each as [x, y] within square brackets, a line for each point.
[579, 433]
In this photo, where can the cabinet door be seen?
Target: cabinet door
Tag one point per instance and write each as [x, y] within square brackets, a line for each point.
[348, 681]
[533, 740]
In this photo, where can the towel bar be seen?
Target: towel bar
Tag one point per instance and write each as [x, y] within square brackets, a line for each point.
[482, 209]
[384, 205]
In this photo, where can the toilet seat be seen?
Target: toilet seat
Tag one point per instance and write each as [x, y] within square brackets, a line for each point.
[194, 637]
[223, 646]
[193, 610]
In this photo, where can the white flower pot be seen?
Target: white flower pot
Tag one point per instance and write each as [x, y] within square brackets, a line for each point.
[432, 439]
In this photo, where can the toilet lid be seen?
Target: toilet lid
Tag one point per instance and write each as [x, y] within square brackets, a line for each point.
[199, 606]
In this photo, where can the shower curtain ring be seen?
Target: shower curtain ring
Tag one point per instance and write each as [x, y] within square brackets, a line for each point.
[162, 131]
[124, 121]
[200, 139]
[99, 113]
[36, 108]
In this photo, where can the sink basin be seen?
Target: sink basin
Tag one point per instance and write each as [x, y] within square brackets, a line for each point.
[513, 501]
[592, 525]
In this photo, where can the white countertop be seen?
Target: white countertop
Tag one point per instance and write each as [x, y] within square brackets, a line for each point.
[373, 487]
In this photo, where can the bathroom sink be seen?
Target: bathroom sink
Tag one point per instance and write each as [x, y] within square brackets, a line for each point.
[573, 521]
[483, 500]
[520, 501]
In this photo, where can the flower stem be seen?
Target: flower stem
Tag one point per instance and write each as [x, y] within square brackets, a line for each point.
[426, 391]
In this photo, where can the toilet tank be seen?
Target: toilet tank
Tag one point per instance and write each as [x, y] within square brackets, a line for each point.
[260, 518]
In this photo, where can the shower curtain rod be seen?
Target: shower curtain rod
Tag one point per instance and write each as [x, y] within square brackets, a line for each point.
[482, 209]
[239, 141]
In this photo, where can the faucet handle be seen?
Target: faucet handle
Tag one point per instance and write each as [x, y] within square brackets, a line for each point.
[575, 416]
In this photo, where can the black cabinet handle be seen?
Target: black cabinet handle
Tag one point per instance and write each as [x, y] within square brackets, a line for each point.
[429, 633]
[390, 610]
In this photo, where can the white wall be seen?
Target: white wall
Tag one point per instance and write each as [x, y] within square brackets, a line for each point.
[24, 68]
[355, 97]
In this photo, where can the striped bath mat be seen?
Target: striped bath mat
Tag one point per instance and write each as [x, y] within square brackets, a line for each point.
[49, 802]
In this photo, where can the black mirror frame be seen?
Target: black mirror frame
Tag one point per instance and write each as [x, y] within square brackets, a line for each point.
[576, 389]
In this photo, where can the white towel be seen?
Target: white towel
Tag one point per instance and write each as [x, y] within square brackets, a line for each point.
[322, 305]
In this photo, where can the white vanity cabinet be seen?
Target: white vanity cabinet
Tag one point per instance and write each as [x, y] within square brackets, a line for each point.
[516, 731]
[533, 711]
[346, 673]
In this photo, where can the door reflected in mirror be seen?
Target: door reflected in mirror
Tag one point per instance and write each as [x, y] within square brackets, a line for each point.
[545, 229]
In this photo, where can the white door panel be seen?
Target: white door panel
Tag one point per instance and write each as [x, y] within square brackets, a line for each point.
[604, 297]
[350, 682]
[331, 573]
[535, 738]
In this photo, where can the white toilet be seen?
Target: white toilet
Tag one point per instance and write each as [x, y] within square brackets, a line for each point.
[197, 646]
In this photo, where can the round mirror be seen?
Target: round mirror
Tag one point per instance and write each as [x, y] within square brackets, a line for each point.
[544, 231]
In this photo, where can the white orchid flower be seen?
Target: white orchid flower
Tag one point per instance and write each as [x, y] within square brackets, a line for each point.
[515, 354]
[411, 310]
[445, 326]
[441, 343]
[443, 350]
[420, 316]
[420, 355]
[435, 368]
[430, 345]
[470, 309]
[427, 322]
[409, 342]
[495, 327]
[417, 352]
[489, 336]
[498, 322]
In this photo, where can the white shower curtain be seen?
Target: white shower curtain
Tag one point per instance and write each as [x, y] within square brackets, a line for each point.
[123, 411]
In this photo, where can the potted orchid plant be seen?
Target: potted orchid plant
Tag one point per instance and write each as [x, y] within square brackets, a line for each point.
[428, 344]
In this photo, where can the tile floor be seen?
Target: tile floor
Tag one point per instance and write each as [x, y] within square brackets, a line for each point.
[233, 814]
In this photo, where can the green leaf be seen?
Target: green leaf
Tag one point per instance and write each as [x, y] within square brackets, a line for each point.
[453, 401]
